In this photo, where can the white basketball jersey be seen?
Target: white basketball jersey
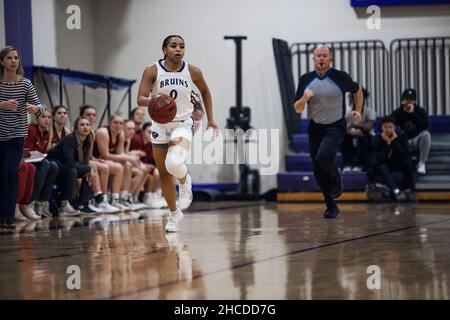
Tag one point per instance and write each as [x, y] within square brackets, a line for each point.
[178, 85]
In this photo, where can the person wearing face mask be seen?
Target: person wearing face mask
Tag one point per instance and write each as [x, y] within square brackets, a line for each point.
[413, 120]
[324, 91]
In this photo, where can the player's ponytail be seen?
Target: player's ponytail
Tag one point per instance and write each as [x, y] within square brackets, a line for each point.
[166, 42]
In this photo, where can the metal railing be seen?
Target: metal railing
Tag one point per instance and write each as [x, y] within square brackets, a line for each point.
[423, 64]
[366, 61]
[420, 63]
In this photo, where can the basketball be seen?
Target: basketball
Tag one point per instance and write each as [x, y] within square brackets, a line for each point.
[162, 108]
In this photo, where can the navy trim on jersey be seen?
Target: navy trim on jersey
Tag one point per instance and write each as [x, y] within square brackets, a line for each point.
[164, 68]
[307, 85]
[339, 78]
[325, 75]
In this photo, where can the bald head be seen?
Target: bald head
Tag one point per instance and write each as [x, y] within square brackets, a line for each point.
[322, 58]
[322, 48]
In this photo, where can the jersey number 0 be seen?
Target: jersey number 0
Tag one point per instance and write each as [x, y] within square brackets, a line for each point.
[174, 94]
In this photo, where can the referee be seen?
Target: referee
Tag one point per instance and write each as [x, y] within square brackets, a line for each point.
[324, 90]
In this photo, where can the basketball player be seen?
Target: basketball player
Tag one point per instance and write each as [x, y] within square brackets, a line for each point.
[324, 90]
[174, 77]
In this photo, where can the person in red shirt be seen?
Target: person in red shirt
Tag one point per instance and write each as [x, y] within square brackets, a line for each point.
[139, 172]
[108, 172]
[109, 146]
[142, 142]
[36, 144]
[138, 117]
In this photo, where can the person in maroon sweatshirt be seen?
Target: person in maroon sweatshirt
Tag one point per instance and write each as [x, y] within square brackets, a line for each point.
[36, 145]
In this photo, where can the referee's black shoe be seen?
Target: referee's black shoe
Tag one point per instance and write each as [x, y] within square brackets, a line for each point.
[331, 213]
[339, 186]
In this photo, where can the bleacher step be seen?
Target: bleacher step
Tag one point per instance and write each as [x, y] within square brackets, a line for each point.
[433, 186]
[434, 178]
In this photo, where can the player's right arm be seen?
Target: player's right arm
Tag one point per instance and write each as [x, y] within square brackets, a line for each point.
[303, 94]
[300, 103]
[145, 87]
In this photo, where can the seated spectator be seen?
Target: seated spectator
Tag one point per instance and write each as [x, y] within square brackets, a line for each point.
[109, 145]
[36, 144]
[58, 129]
[391, 154]
[72, 155]
[413, 120]
[140, 174]
[137, 115]
[140, 145]
[357, 140]
[106, 171]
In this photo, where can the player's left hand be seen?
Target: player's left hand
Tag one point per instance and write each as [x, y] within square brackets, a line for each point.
[356, 116]
[212, 124]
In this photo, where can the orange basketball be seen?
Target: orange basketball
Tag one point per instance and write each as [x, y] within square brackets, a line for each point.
[162, 108]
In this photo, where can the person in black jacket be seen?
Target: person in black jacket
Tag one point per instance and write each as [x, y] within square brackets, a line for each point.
[391, 153]
[72, 155]
[413, 120]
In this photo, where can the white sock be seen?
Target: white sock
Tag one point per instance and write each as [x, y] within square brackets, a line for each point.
[115, 196]
[124, 195]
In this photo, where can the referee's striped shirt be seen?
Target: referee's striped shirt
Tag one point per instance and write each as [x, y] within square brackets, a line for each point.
[14, 124]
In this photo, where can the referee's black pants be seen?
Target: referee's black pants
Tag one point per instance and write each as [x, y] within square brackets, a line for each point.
[324, 141]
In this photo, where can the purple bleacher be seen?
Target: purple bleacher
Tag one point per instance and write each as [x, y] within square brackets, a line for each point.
[297, 181]
[439, 124]
[299, 176]
[304, 125]
[302, 162]
[436, 124]
[300, 142]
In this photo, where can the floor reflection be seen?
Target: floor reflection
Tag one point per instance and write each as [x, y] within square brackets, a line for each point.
[256, 251]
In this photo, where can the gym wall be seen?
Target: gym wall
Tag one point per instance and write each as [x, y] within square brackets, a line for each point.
[121, 37]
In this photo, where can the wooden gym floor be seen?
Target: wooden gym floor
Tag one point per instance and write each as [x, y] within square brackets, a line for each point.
[234, 251]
